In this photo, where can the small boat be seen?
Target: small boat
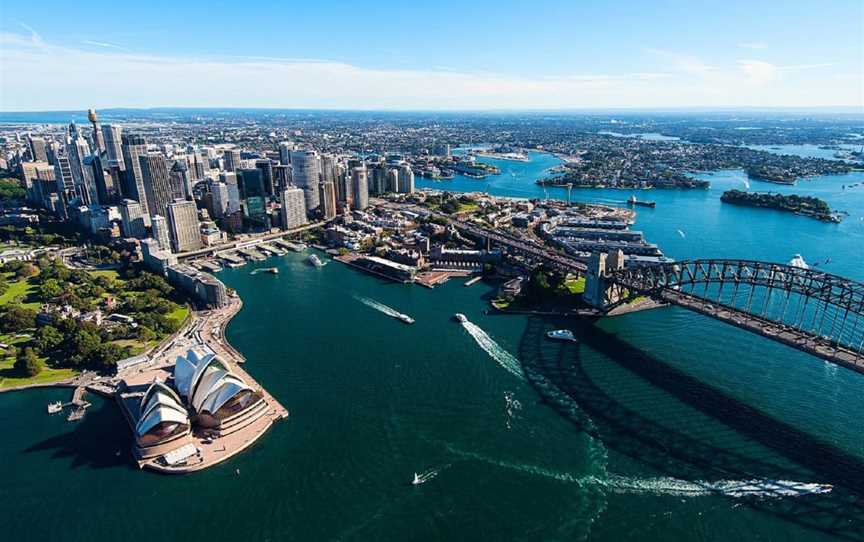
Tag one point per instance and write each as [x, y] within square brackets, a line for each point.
[54, 408]
[561, 335]
[633, 201]
[417, 480]
[459, 317]
[404, 318]
[315, 260]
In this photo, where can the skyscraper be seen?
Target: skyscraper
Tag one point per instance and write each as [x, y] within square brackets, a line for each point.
[38, 150]
[327, 196]
[306, 173]
[133, 146]
[281, 177]
[266, 167]
[219, 193]
[406, 179]
[77, 150]
[157, 182]
[64, 180]
[181, 183]
[113, 137]
[293, 208]
[184, 227]
[393, 180]
[231, 160]
[160, 232]
[360, 189]
[230, 180]
[251, 184]
[132, 215]
[285, 149]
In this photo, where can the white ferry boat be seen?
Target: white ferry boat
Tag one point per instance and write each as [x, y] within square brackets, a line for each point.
[315, 260]
[561, 335]
[404, 318]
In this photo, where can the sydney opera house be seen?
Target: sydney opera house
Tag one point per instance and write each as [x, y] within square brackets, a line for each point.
[205, 399]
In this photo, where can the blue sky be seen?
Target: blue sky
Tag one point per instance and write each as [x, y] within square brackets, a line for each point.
[431, 55]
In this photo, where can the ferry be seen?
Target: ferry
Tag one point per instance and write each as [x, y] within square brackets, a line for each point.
[561, 335]
[459, 317]
[633, 201]
[403, 318]
[54, 408]
[315, 260]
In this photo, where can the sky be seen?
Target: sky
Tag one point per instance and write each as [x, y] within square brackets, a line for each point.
[443, 55]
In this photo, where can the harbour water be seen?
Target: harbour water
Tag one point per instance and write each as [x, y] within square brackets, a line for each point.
[662, 424]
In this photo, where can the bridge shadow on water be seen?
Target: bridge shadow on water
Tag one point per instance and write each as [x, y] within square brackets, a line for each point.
[92, 441]
[557, 373]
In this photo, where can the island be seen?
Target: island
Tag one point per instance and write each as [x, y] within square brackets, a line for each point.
[801, 205]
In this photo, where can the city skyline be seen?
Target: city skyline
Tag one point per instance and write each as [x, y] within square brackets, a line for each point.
[549, 56]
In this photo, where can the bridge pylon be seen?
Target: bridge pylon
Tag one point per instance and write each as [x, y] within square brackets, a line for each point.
[598, 293]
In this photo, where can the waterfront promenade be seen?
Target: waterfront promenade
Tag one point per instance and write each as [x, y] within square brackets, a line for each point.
[204, 448]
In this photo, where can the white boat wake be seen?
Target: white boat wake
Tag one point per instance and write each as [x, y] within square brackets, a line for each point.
[504, 358]
[424, 477]
[682, 234]
[665, 486]
[381, 307]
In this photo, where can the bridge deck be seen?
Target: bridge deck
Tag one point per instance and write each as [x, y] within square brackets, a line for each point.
[769, 329]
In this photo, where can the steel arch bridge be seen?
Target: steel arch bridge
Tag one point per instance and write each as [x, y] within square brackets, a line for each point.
[813, 311]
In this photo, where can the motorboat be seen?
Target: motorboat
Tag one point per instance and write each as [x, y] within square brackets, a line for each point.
[315, 260]
[459, 317]
[404, 318]
[561, 335]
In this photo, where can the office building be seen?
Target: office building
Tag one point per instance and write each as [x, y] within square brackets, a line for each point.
[327, 197]
[112, 135]
[230, 180]
[132, 216]
[266, 167]
[183, 225]
[306, 173]
[219, 197]
[98, 142]
[293, 208]
[161, 233]
[285, 149]
[38, 150]
[360, 189]
[281, 177]
[64, 180]
[253, 195]
[231, 160]
[133, 146]
[157, 182]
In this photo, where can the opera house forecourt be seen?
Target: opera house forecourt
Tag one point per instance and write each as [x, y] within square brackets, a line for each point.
[199, 410]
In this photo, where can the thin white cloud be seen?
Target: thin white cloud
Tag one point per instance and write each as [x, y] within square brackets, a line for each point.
[104, 44]
[127, 79]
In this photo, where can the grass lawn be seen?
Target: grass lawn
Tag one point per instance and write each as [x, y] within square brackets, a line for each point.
[179, 315]
[10, 378]
[19, 288]
[110, 273]
[576, 286]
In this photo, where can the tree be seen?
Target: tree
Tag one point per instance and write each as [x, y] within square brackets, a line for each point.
[16, 318]
[50, 289]
[28, 363]
[48, 338]
[4, 285]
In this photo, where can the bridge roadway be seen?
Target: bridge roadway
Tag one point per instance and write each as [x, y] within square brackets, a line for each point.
[536, 252]
[770, 329]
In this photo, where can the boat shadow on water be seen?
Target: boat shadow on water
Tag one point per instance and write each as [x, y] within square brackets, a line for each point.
[92, 441]
[555, 371]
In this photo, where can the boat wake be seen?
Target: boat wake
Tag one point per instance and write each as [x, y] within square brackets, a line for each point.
[504, 358]
[425, 476]
[511, 407]
[380, 307]
[758, 488]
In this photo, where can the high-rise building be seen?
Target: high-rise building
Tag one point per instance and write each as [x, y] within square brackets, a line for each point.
[219, 193]
[157, 182]
[378, 179]
[64, 180]
[38, 150]
[112, 135]
[132, 217]
[281, 177]
[160, 232]
[184, 227]
[327, 196]
[98, 183]
[251, 184]
[38, 179]
[230, 180]
[97, 133]
[406, 179]
[231, 160]
[77, 150]
[285, 149]
[266, 167]
[360, 189]
[181, 183]
[306, 173]
[133, 147]
[293, 208]
[393, 180]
